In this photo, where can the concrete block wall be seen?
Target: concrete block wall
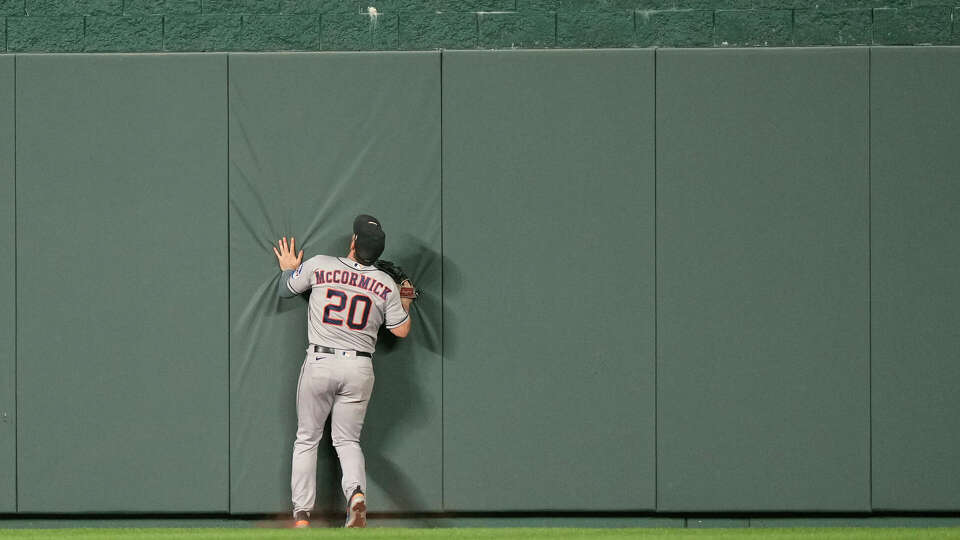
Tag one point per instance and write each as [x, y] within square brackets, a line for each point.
[311, 25]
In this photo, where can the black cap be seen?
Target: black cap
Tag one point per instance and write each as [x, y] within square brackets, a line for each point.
[370, 238]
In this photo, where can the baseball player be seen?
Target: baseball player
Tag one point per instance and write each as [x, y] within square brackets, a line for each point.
[349, 300]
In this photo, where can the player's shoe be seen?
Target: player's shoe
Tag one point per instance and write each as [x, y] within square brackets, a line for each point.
[357, 510]
[301, 520]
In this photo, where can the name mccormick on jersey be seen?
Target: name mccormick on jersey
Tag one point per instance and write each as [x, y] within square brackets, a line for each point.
[353, 279]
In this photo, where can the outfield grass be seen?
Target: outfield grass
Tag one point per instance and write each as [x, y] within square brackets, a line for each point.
[491, 534]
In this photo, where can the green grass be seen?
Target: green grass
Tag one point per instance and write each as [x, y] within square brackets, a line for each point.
[490, 534]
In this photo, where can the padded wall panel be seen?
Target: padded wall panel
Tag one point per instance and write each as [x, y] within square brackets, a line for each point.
[122, 330]
[8, 404]
[315, 140]
[762, 268]
[915, 133]
[548, 280]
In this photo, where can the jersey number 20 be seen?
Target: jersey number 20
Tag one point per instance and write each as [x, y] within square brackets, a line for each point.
[359, 302]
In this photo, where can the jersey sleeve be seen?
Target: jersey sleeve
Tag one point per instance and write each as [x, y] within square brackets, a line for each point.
[302, 277]
[394, 314]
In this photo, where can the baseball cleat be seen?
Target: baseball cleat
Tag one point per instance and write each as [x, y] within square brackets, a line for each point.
[357, 510]
[302, 520]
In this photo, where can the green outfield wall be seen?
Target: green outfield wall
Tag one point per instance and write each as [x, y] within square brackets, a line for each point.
[311, 25]
[663, 281]
[8, 323]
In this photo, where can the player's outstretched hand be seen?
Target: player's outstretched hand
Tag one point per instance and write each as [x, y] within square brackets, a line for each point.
[285, 255]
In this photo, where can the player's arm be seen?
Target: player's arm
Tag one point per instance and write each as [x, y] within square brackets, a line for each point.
[402, 330]
[292, 281]
[397, 315]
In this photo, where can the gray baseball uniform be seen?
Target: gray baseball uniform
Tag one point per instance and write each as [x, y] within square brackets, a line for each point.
[348, 304]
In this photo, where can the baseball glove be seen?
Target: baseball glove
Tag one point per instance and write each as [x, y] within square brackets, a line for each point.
[407, 290]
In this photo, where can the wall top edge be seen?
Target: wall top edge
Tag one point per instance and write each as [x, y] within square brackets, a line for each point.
[433, 52]
[226, 53]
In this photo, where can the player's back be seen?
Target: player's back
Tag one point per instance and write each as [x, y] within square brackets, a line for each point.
[348, 302]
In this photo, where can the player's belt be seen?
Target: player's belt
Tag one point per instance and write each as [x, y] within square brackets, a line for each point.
[328, 350]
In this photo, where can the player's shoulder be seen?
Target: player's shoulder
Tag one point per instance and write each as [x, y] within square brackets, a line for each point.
[318, 261]
[384, 278]
[310, 265]
[387, 279]
[372, 271]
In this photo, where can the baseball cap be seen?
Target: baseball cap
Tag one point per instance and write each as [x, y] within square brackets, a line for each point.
[370, 237]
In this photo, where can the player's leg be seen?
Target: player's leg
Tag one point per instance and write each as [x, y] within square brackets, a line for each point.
[315, 391]
[346, 424]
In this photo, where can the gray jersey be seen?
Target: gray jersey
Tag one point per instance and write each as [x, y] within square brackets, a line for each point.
[348, 302]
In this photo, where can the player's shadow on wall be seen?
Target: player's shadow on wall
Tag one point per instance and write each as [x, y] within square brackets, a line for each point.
[409, 370]
[399, 409]
[452, 286]
[425, 268]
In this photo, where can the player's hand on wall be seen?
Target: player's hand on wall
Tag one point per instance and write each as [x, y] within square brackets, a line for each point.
[285, 255]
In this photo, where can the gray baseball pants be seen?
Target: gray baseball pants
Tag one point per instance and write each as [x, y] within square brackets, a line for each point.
[337, 385]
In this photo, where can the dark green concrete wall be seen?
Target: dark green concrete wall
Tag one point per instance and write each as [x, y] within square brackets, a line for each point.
[663, 280]
[309, 25]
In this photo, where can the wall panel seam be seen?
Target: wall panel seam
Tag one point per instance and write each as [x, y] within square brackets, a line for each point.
[16, 318]
[870, 276]
[229, 313]
[443, 323]
[656, 354]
